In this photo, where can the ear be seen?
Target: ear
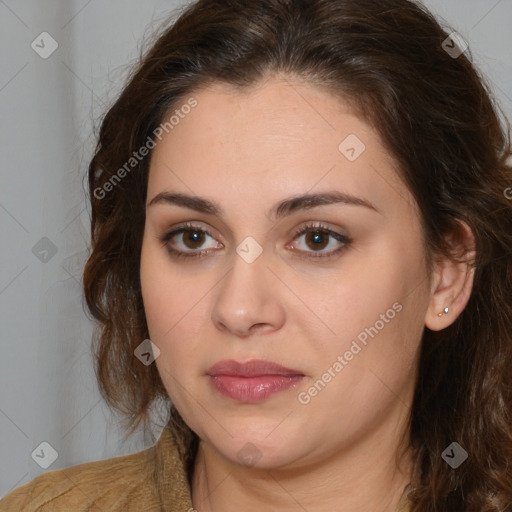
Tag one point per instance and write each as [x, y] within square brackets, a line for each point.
[452, 282]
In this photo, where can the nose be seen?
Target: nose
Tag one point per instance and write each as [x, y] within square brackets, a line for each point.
[249, 299]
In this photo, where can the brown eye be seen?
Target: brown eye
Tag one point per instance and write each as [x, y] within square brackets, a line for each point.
[193, 239]
[317, 239]
[186, 240]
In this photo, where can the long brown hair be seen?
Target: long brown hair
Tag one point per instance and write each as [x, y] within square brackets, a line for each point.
[438, 118]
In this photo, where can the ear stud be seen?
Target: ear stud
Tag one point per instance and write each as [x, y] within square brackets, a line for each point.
[445, 311]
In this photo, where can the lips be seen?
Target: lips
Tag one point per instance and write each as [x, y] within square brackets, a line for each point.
[253, 368]
[253, 381]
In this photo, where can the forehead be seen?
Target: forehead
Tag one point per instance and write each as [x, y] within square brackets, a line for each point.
[276, 139]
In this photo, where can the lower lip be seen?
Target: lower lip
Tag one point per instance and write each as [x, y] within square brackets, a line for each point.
[253, 389]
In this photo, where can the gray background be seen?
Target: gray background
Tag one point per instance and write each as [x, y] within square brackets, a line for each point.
[48, 390]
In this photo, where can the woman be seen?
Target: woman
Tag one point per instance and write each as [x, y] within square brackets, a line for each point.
[301, 239]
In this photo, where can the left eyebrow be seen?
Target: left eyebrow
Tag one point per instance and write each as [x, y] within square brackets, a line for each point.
[282, 209]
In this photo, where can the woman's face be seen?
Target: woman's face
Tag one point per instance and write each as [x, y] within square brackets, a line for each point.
[342, 305]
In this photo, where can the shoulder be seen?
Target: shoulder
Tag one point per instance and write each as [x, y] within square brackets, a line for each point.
[116, 484]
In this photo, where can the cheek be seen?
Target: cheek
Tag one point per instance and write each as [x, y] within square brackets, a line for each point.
[171, 308]
[360, 383]
[156, 301]
[353, 296]
[166, 299]
[375, 319]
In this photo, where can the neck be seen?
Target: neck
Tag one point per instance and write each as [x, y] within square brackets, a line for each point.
[352, 481]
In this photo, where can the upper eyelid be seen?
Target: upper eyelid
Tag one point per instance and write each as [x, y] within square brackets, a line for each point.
[311, 225]
[304, 225]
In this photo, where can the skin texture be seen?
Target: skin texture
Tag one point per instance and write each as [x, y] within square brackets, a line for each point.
[247, 151]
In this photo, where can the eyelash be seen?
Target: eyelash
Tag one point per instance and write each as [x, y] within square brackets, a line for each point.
[314, 226]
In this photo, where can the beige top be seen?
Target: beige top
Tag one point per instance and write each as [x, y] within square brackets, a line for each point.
[152, 480]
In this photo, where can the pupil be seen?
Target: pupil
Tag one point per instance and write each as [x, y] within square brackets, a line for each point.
[195, 238]
[319, 239]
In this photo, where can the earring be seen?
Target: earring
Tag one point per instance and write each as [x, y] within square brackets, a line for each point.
[445, 311]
